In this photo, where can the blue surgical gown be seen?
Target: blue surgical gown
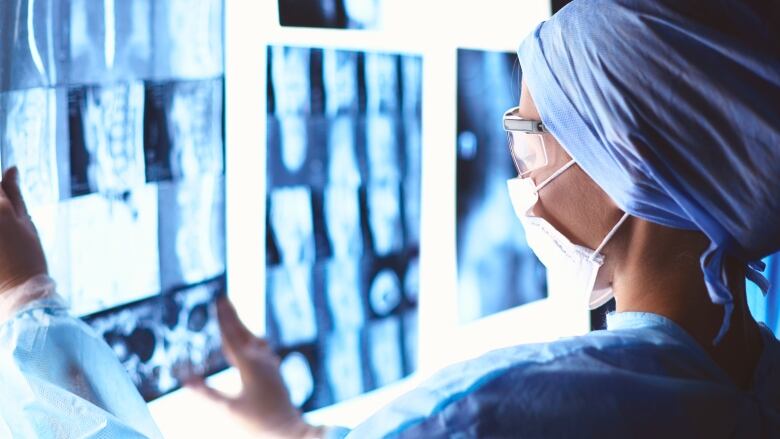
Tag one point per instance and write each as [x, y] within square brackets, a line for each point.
[643, 377]
[60, 380]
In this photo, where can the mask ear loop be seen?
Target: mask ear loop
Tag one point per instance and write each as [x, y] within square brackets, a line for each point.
[554, 174]
[609, 236]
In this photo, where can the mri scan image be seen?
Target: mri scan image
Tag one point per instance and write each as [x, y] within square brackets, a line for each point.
[386, 351]
[411, 69]
[183, 130]
[342, 216]
[410, 326]
[385, 293]
[113, 112]
[188, 36]
[343, 185]
[294, 142]
[32, 46]
[106, 139]
[109, 40]
[496, 268]
[29, 141]
[291, 303]
[343, 289]
[291, 79]
[344, 366]
[384, 216]
[343, 165]
[191, 227]
[382, 90]
[164, 341]
[383, 160]
[113, 250]
[412, 281]
[413, 192]
[340, 79]
[292, 223]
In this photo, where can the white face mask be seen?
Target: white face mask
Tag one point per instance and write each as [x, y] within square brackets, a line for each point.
[558, 253]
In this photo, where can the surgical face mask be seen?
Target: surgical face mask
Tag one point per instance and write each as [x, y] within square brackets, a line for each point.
[558, 253]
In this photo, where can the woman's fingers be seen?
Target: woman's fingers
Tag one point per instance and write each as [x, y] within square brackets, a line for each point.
[238, 342]
[10, 186]
[233, 331]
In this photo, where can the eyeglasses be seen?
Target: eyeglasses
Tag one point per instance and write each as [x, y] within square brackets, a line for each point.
[526, 143]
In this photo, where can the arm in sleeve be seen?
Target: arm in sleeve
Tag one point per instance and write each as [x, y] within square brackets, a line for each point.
[59, 378]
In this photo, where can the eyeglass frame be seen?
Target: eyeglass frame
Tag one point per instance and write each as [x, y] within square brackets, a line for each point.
[515, 123]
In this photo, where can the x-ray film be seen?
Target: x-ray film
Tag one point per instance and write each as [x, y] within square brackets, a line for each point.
[32, 122]
[113, 111]
[183, 130]
[106, 139]
[110, 40]
[164, 341]
[191, 226]
[188, 38]
[113, 250]
[343, 218]
[496, 268]
[337, 14]
[290, 299]
[385, 350]
[32, 43]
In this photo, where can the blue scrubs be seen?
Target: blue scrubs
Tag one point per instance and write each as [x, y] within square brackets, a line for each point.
[643, 377]
[59, 379]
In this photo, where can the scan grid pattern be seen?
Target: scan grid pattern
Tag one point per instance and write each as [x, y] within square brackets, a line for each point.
[342, 229]
[113, 112]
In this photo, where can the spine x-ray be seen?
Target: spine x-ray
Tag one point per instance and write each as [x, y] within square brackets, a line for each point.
[343, 219]
[113, 111]
[496, 268]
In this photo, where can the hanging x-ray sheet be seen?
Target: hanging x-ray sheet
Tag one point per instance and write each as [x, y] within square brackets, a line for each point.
[343, 219]
[496, 268]
[113, 111]
[336, 14]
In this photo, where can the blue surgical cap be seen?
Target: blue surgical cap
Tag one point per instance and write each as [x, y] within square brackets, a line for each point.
[673, 108]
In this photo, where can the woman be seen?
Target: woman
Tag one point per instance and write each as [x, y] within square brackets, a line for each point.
[646, 142]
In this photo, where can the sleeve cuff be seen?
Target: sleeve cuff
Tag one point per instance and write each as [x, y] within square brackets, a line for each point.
[27, 295]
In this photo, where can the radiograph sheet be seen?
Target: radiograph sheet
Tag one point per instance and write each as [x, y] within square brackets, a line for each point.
[110, 40]
[496, 268]
[113, 112]
[32, 120]
[165, 340]
[338, 14]
[342, 226]
[33, 42]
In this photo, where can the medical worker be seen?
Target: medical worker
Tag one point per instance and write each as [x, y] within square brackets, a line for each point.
[647, 146]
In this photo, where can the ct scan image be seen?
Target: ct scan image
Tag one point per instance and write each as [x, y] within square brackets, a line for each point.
[342, 226]
[113, 111]
[496, 268]
[165, 340]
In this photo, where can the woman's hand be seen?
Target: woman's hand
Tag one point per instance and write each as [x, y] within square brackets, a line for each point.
[21, 255]
[263, 405]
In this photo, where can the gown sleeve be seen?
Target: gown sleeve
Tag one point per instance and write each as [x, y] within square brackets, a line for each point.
[59, 378]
